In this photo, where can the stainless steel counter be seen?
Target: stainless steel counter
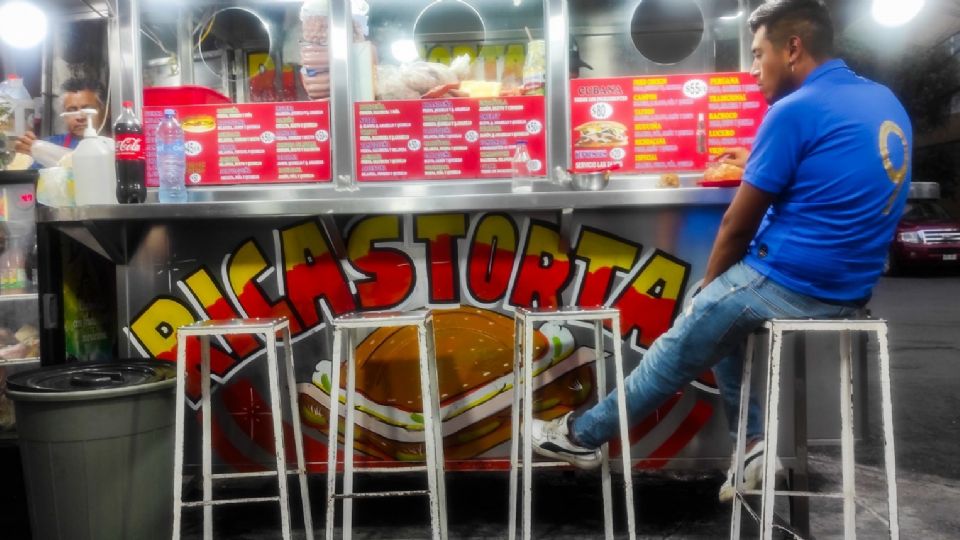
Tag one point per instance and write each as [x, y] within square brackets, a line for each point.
[287, 200]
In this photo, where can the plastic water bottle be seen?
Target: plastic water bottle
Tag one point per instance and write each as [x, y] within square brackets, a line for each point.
[171, 159]
[522, 181]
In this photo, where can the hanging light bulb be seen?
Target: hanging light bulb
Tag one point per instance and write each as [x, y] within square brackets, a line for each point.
[22, 25]
[895, 12]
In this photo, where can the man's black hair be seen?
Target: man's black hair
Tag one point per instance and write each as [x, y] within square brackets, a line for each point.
[807, 19]
[80, 84]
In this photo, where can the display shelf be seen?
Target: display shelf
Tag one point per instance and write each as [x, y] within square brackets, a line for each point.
[17, 297]
[380, 198]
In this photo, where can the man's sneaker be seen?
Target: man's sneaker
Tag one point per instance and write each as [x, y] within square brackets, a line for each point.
[752, 472]
[552, 439]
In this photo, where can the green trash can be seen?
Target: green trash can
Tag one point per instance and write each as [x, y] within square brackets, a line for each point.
[96, 442]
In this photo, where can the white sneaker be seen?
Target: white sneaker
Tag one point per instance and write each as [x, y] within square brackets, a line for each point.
[752, 472]
[552, 439]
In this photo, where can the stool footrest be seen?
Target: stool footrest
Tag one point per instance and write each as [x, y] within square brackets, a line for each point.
[382, 494]
[258, 474]
[389, 470]
[220, 502]
[786, 493]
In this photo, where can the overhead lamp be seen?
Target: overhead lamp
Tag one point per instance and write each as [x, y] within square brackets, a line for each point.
[895, 12]
[404, 50]
[22, 24]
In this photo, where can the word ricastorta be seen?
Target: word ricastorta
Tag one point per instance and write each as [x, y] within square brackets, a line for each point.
[491, 260]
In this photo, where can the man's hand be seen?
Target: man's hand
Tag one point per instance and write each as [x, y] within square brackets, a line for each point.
[735, 156]
[739, 225]
[25, 143]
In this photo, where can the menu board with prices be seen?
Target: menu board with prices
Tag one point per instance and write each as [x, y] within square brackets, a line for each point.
[251, 143]
[659, 124]
[448, 138]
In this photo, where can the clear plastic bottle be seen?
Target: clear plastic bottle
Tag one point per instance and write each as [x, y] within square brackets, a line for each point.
[171, 159]
[522, 181]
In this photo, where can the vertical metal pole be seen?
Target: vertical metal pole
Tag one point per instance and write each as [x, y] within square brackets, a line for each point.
[434, 370]
[178, 433]
[740, 447]
[276, 414]
[527, 426]
[846, 436]
[348, 434]
[887, 413]
[515, 422]
[206, 410]
[606, 488]
[341, 92]
[746, 38]
[332, 426]
[772, 433]
[185, 44]
[800, 506]
[297, 430]
[617, 344]
[558, 85]
[432, 440]
[129, 61]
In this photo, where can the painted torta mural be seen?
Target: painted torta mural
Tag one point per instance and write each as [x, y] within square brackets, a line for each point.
[473, 270]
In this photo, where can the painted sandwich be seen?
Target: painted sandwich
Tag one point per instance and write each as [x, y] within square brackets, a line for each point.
[601, 134]
[475, 375]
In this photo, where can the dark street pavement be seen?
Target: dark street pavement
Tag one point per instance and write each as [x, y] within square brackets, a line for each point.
[925, 336]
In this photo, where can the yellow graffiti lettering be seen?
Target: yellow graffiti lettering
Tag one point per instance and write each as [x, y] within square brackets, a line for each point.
[370, 230]
[431, 227]
[246, 264]
[155, 328]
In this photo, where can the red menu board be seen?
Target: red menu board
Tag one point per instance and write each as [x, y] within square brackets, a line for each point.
[662, 123]
[447, 138]
[250, 143]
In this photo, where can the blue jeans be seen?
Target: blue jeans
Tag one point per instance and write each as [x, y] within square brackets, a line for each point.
[709, 333]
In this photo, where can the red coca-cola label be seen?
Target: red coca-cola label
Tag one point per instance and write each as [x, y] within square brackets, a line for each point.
[130, 146]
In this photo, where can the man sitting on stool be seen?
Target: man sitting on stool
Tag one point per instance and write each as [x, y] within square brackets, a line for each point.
[805, 236]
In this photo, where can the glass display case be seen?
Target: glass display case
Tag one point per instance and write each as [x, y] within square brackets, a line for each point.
[19, 334]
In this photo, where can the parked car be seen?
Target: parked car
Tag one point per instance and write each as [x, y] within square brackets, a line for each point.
[927, 237]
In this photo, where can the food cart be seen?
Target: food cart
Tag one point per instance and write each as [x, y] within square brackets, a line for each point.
[324, 182]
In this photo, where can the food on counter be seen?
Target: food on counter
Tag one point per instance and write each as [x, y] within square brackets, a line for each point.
[722, 172]
[200, 123]
[314, 52]
[669, 180]
[601, 134]
[419, 79]
[475, 375]
[481, 89]
[24, 343]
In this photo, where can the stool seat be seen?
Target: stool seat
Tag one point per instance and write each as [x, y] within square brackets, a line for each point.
[344, 334]
[845, 327]
[234, 326]
[524, 319]
[268, 329]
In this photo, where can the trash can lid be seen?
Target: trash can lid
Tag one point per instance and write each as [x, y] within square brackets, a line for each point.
[114, 378]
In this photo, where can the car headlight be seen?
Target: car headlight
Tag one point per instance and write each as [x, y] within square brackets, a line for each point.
[909, 237]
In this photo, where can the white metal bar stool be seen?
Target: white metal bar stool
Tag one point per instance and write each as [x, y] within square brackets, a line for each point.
[268, 329]
[344, 336]
[777, 328]
[524, 320]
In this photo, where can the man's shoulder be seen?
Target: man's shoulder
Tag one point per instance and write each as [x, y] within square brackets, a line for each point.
[59, 138]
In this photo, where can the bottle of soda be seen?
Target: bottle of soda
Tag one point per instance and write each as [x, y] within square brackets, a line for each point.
[131, 161]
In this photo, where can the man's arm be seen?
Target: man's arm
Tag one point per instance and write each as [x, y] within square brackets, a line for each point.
[737, 229]
[25, 143]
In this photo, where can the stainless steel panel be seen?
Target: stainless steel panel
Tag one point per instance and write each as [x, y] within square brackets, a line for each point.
[266, 201]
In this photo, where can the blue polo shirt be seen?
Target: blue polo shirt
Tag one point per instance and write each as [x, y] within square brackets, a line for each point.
[836, 153]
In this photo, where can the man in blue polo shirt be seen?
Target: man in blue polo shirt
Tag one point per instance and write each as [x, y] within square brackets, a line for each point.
[77, 94]
[805, 236]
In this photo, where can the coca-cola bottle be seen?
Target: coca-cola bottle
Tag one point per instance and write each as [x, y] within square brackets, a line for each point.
[131, 162]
